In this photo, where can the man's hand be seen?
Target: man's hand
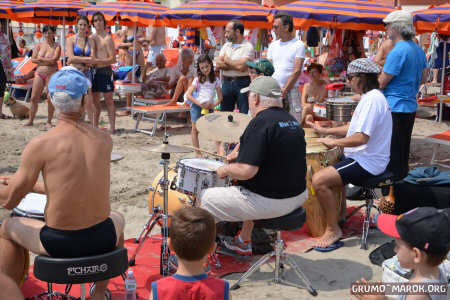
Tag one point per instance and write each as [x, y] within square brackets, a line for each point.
[284, 92]
[329, 142]
[234, 154]
[317, 128]
[221, 172]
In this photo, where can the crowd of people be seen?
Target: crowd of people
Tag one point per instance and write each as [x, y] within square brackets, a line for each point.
[268, 163]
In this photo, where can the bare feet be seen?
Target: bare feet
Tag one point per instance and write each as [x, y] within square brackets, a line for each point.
[198, 154]
[49, 126]
[124, 113]
[329, 237]
[28, 124]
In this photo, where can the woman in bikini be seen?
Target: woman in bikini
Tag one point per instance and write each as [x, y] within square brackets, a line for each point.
[81, 55]
[313, 92]
[46, 55]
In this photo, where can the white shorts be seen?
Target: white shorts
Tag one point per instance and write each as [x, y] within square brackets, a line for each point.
[295, 108]
[236, 203]
[153, 52]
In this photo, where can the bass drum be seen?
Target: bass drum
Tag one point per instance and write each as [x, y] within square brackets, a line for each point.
[176, 200]
[318, 156]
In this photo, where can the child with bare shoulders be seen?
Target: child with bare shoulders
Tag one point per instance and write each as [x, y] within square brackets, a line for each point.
[192, 237]
[102, 79]
[46, 55]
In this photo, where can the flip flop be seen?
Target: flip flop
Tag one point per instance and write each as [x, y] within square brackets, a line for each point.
[334, 246]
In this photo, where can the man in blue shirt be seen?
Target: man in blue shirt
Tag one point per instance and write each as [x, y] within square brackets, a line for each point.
[403, 73]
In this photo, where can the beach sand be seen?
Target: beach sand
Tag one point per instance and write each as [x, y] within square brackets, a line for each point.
[331, 273]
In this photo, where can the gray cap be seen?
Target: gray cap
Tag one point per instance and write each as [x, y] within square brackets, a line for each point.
[264, 86]
[398, 16]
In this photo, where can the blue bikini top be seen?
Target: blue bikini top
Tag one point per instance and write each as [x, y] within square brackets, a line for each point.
[77, 51]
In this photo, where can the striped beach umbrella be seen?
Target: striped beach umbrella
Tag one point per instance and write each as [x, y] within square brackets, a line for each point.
[202, 13]
[128, 13]
[340, 14]
[53, 12]
[434, 18]
[6, 6]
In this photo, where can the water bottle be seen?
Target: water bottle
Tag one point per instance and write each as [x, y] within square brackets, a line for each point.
[130, 286]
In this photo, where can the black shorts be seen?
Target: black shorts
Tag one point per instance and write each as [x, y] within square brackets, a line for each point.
[352, 172]
[102, 80]
[98, 239]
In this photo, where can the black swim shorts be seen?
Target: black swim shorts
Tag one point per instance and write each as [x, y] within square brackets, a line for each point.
[102, 80]
[352, 172]
[98, 239]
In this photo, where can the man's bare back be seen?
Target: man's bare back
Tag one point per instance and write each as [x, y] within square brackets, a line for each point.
[104, 47]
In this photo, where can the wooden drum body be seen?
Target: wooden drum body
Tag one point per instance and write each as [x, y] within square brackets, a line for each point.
[318, 156]
[176, 199]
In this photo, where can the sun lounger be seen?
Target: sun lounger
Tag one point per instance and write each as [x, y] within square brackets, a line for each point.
[21, 86]
[439, 139]
[160, 111]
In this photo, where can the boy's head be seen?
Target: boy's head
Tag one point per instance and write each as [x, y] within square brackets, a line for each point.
[425, 228]
[192, 233]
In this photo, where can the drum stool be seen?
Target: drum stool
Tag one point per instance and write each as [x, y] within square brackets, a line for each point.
[78, 271]
[289, 222]
[368, 195]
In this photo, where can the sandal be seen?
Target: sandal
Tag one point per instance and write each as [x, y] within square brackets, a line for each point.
[4, 117]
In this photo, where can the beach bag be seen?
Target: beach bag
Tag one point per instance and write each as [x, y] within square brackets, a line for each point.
[312, 37]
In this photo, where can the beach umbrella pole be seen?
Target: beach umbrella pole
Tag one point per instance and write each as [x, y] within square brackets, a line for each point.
[133, 74]
[444, 56]
[63, 42]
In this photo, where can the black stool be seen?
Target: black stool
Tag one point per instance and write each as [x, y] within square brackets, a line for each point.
[292, 221]
[368, 195]
[78, 271]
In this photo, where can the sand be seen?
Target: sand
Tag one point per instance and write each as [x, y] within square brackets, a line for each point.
[331, 273]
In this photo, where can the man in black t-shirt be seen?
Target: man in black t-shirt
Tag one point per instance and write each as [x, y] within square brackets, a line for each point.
[270, 166]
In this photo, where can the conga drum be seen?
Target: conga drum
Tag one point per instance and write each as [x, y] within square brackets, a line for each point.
[310, 133]
[318, 156]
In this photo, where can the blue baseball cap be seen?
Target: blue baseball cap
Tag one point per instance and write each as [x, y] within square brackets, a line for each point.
[69, 80]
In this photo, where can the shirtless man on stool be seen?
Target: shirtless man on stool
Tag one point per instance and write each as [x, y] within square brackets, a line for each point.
[74, 160]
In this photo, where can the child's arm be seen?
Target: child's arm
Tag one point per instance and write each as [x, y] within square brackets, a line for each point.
[191, 98]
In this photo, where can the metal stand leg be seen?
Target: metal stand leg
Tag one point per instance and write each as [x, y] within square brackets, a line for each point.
[280, 260]
[132, 261]
[365, 232]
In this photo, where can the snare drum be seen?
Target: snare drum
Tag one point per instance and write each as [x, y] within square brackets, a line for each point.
[32, 206]
[197, 174]
[318, 156]
[340, 109]
[176, 199]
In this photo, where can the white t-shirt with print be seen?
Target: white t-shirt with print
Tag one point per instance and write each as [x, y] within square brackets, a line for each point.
[204, 92]
[283, 55]
[372, 117]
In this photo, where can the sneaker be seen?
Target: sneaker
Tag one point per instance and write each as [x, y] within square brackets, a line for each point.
[233, 243]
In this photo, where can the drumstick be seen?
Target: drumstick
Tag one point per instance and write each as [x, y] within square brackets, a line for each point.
[204, 151]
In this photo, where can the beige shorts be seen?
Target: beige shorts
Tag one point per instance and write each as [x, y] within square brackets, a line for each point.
[236, 203]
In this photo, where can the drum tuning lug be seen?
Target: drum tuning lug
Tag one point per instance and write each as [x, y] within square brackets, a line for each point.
[160, 192]
[150, 189]
[190, 202]
[181, 199]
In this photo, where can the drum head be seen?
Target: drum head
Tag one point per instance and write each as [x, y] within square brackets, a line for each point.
[312, 146]
[33, 203]
[201, 163]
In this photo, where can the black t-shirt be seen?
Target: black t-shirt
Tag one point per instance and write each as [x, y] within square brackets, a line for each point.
[274, 142]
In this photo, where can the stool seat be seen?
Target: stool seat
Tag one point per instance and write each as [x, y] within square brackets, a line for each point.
[81, 270]
[292, 221]
[385, 178]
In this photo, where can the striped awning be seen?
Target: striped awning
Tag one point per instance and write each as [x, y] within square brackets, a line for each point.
[6, 6]
[48, 11]
[433, 19]
[128, 12]
[201, 13]
[340, 14]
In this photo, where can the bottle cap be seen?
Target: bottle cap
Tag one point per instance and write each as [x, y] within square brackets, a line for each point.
[130, 272]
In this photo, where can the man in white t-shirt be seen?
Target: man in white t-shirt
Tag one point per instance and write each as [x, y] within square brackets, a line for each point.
[367, 144]
[287, 55]
[232, 61]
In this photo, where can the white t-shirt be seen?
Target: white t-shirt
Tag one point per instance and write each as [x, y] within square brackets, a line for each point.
[235, 52]
[283, 55]
[372, 117]
[204, 92]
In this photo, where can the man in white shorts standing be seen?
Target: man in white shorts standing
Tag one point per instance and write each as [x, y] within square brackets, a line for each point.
[287, 55]
[270, 166]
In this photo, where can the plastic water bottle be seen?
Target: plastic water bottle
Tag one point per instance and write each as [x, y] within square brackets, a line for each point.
[130, 286]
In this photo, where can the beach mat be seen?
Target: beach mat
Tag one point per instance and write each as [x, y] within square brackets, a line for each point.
[146, 269]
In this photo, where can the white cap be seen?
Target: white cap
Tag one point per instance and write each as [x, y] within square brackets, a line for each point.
[398, 16]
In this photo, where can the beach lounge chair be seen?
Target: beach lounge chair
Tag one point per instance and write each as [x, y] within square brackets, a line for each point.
[437, 140]
[160, 111]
